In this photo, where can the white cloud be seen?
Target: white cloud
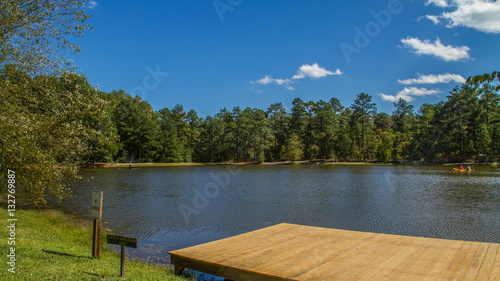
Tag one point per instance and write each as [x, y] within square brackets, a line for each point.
[408, 94]
[434, 79]
[439, 3]
[255, 91]
[264, 81]
[434, 19]
[314, 71]
[282, 81]
[482, 15]
[269, 80]
[446, 53]
[92, 4]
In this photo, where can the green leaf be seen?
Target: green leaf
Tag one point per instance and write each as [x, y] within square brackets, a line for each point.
[485, 77]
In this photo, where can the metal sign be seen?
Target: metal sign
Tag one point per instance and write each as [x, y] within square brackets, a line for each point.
[96, 211]
[122, 240]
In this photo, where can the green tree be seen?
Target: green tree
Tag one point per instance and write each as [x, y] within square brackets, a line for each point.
[193, 131]
[225, 136]
[99, 151]
[426, 134]
[325, 124]
[279, 122]
[212, 140]
[260, 134]
[293, 149]
[382, 121]
[459, 114]
[36, 34]
[47, 124]
[384, 141]
[485, 79]
[170, 148]
[363, 111]
[490, 116]
[135, 123]
[297, 117]
[404, 119]
[238, 124]
[337, 128]
[346, 146]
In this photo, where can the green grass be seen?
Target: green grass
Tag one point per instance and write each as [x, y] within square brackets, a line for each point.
[53, 246]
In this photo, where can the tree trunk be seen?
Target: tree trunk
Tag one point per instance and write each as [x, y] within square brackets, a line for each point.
[275, 149]
[363, 136]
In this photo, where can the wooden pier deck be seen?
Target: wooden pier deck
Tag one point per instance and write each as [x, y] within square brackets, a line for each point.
[296, 252]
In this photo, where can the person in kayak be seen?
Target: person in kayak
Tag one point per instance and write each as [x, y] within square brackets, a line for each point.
[461, 167]
[468, 168]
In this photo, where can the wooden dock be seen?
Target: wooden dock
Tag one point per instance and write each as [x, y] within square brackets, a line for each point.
[296, 252]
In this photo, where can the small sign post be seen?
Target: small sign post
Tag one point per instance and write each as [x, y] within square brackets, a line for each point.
[124, 242]
[96, 213]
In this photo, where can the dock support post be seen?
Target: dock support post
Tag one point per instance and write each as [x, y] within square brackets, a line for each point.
[122, 269]
[178, 269]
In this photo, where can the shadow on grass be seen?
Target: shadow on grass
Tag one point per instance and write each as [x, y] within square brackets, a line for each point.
[66, 255]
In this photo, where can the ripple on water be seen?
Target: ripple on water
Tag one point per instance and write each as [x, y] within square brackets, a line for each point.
[429, 201]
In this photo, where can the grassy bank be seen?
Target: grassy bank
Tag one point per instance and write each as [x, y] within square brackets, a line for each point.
[53, 246]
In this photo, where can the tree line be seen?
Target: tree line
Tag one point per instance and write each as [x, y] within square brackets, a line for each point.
[465, 126]
[81, 124]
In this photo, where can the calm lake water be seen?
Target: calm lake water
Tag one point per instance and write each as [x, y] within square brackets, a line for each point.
[222, 201]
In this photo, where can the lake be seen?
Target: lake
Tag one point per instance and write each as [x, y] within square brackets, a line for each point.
[169, 208]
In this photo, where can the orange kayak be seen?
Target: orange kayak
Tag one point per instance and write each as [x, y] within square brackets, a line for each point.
[463, 170]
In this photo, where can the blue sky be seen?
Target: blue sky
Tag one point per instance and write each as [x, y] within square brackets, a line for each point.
[209, 55]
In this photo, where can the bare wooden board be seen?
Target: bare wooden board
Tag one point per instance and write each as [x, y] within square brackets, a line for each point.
[296, 252]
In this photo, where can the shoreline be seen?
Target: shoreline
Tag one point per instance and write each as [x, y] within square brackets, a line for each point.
[306, 162]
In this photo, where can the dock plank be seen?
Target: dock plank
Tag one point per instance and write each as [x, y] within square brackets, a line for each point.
[488, 263]
[296, 252]
[343, 263]
[312, 256]
[473, 270]
[495, 272]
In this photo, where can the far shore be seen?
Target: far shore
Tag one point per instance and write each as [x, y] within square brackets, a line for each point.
[307, 162]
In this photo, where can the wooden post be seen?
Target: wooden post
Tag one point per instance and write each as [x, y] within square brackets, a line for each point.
[96, 213]
[123, 242]
[122, 269]
[96, 239]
